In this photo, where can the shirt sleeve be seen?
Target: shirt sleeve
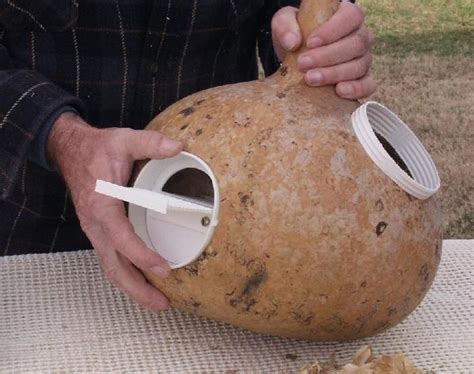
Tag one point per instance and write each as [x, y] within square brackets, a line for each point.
[27, 102]
[38, 152]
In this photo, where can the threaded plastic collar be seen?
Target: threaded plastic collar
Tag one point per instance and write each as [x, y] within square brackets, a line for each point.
[373, 117]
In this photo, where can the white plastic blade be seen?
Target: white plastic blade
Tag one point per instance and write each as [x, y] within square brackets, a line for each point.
[144, 198]
[155, 201]
[186, 204]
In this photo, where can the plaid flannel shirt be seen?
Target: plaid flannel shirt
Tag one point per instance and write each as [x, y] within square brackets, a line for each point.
[118, 63]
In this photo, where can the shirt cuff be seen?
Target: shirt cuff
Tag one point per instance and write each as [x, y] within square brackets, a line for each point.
[38, 152]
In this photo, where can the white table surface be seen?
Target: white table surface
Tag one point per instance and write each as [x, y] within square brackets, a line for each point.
[58, 313]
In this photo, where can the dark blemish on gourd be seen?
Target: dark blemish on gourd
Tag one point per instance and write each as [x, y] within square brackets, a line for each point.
[208, 116]
[231, 293]
[184, 127]
[284, 71]
[250, 303]
[379, 205]
[192, 303]
[379, 230]
[192, 270]
[343, 134]
[245, 299]
[199, 102]
[424, 272]
[281, 95]
[241, 221]
[254, 282]
[410, 197]
[186, 112]
[392, 311]
[291, 356]
[339, 321]
[302, 318]
[244, 302]
[294, 143]
[363, 284]
[244, 198]
[198, 132]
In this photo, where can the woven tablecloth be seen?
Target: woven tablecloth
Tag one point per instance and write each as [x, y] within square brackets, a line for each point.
[58, 313]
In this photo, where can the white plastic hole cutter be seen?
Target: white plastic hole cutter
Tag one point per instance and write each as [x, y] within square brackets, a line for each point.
[178, 227]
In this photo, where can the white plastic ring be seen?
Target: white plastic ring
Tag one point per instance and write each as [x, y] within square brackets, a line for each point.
[373, 117]
[177, 236]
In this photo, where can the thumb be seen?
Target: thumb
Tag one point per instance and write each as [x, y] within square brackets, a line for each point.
[144, 144]
[286, 32]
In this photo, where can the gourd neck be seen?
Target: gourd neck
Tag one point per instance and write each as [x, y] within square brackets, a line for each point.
[311, 15]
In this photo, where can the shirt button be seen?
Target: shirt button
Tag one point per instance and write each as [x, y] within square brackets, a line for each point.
[154, 68]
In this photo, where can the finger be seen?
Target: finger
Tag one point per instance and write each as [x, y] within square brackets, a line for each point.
[353, 46]
[119, 233]
[348, 18]
[347, 71]
[129, 280]
[357, 89]
[143, 144]
[286, 32]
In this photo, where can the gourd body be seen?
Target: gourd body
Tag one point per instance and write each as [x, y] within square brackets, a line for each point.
[314, 241]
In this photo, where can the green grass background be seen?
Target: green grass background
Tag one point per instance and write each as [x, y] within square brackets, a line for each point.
[437, 27]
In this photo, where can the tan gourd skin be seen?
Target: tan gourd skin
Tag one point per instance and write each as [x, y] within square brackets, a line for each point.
[314, 241]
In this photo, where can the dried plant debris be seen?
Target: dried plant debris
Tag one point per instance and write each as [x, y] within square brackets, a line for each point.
[363, 362]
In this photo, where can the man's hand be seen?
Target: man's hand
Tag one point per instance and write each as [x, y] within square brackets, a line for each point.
[83, 154]
[338, 51]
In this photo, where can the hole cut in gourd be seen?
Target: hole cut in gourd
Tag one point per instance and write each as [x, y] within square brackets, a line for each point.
[393, 153]
[395, 149]
[191, 183]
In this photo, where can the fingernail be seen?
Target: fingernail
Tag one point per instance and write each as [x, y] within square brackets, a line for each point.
[346, 90]
[161, 271]
[170, 144]
[304, 62]
[289, 41]
[314, 77]
[314, 42]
